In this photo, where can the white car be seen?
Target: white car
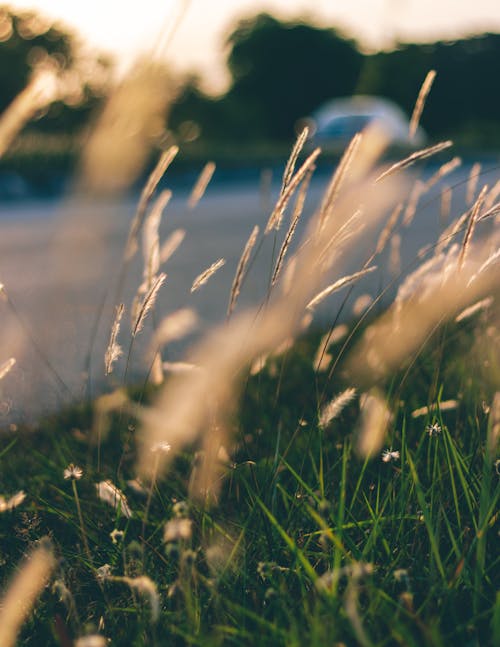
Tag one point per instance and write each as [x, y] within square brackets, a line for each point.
[336, 122]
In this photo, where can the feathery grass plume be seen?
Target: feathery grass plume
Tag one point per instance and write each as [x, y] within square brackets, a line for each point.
[492, 196]
[443, 170]
[335, 406]
[114, 350]
[493, 436]
[175, 326]
[336, 182]
[450, 232]
[240, 270]
[493, 211]
[6, 367]
[292, 160]
[202, 278]
[148, 303]
[414, 157]
[444, 405]
[426, 299]
[40, 92]
[472, 181]
[151, 238]
[121, 142]
[226, 352]
[113, 496]
[166, 158]
[171, 244]
[338, 285]
[276, 216]
[374, 419]
[297, 212]
[23, 591]
[420, 102]
[484, 304]
[386, 232]
[353, 226]
[417, 191]
[145, 586]
[201, 184]
[493, 258]
[445, 210]
[471, 226]
[179, 367]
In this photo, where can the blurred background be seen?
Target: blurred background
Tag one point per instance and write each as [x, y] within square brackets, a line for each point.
[232, 82]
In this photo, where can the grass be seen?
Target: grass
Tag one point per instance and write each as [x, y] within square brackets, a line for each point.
[309, 544]
[272, 523]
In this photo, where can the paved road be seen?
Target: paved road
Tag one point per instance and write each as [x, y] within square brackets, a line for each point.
[59, 261]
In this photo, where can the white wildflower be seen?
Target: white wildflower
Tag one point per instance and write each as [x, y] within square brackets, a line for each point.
[389, 455]
[433, 430]
[73, 472]
[177, 530]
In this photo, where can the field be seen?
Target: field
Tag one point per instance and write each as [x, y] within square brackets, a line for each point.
[292, 481]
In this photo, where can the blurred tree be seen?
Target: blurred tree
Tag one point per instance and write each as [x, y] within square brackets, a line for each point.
[280, 72]
[29, 41]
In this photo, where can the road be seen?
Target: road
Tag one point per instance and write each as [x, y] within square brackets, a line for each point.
[60, 259]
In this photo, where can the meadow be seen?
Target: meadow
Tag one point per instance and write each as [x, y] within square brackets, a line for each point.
[292, 481]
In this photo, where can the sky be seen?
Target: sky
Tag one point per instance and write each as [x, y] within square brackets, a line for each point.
[190, 34]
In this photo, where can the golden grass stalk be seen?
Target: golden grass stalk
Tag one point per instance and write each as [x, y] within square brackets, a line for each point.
[186, 402]
[292, 160]
[202, 278]
[121, 142]
[148, 303]
[492, 196]
[23, 591]
[337, 179]
[338, 285]
[6, 367]
[151, 238]
[426, 299]
[114, 350]
[276, 216]
[414, 157]
[113, 496]
[445, 211]
[444, 405]
[389, 227]
[166, 158]
[240, 270]
[443, 170]
[201, 184]
[417, 191]
[40, 92]
[483, 304]
[171, 244]
[335, 406]
[372, 427]
[474, 174]
[420, 103]
[493, 258]
[474, 215]
[297, 212]
[175, 326]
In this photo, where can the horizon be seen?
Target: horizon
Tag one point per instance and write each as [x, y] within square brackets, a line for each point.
[190, 36]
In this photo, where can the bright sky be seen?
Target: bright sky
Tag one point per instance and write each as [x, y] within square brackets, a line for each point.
[126, 27]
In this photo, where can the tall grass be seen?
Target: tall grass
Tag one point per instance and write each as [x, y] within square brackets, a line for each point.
[285, 483]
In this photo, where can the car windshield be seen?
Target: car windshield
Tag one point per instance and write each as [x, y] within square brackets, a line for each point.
[343, 127]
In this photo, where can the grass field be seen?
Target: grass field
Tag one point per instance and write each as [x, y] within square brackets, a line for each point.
[290, 484]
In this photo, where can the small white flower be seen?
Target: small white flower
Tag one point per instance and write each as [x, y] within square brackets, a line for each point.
[73, 472]
[116, 535]
[177, 529]
[389, 455]
[433, 430]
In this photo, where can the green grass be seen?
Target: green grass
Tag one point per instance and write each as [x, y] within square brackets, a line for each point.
[307, 545]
